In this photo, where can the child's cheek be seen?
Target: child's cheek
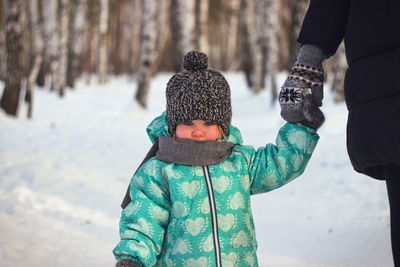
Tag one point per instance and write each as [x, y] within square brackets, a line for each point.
[213, 133]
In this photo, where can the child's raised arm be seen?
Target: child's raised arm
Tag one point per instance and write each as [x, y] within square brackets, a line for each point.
[272, 166]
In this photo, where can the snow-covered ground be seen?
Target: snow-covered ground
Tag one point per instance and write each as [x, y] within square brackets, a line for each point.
[64, 173]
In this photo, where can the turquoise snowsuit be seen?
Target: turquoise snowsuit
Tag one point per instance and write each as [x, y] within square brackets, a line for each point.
[184, 215]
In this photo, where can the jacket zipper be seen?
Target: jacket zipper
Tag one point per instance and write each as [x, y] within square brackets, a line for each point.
[214, 221]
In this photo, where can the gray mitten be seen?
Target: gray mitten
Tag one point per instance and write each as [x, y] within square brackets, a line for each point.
[314, 117]
[302, 93]
[127, 263]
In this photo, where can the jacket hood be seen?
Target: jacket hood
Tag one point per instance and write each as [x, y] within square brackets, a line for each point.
[159, 127]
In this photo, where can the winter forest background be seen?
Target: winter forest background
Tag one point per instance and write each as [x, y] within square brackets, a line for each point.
[81, 79]
[52, 43]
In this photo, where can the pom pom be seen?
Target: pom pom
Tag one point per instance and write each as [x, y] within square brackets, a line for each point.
[195, 60]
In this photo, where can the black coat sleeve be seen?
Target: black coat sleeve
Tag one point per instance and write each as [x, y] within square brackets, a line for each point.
[324, 24]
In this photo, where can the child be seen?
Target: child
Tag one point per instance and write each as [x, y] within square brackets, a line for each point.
[190, 204]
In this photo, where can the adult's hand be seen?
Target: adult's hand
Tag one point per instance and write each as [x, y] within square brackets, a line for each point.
[302, 92]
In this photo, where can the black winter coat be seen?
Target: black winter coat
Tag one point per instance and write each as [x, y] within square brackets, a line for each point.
[371, 32]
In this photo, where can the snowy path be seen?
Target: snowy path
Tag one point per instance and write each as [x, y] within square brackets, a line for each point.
[63, 176]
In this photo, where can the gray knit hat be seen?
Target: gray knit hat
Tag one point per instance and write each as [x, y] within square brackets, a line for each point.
[198, 93]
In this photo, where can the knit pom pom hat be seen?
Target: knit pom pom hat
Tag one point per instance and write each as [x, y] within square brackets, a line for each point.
[198, 93]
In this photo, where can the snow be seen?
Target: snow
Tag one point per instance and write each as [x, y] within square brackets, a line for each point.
[64, 173]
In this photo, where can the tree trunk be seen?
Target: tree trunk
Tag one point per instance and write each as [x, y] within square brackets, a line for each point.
[248, 42]
[232, 35]
[260, 32]
[299, 9]
[189, 28]
[127, 30]
[125, 44]
[3, 56]
[37, 51]
[218, 33]
[103, 42]
[51, 42]
[116, 37]
[188, 21]
[148, 52]
[75, 44]
[201, 26]
[61, 67]
[134, 35]
[339, 67]
[162, 28]
[272, 47]
[91, 37]
[284, 21]
[176, 34]
[11, 94]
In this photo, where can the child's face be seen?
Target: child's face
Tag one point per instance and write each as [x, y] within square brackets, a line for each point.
[198, 130]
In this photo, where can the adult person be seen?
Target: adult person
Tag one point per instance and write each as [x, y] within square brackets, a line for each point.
[371, 34]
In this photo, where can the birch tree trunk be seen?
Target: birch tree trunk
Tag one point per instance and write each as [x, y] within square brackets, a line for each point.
[37, 51]
[61, 67]
[3, 57]
[339, 67]
[284, 22]
[116, 37]
[75, 44]
[11, 94]
[260, 51]
[148, 51]
[272, 46]
[134, 35]
[299, 9]
[188, 22]
[248, 40]
[129, 46]
[232, 35]
[162, 28]
[51, 42]
[176, 34]
[91, 42]
[201, 26]
[129, 38]
[103, 42]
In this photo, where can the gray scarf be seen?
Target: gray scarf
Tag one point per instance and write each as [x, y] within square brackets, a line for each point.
[195, 153]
